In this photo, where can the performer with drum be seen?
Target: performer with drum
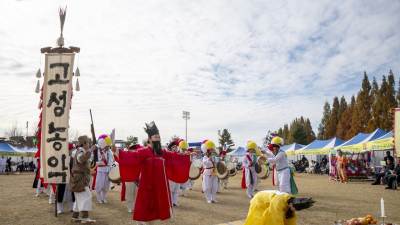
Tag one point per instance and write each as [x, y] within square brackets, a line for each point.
[155, 167]
[101, 183]
[224, 182]
[249, 172]
[191, 181]
[129, 189]
[174, 187]
[210, 161]
[284, 173]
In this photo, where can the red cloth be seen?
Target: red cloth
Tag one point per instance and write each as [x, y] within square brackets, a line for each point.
[244, 173]
[244, 178]
[153, 200]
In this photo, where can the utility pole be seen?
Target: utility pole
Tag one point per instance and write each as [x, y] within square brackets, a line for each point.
[186, 116]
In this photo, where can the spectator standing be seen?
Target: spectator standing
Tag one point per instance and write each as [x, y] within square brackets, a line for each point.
[9, 164]
[3, 162]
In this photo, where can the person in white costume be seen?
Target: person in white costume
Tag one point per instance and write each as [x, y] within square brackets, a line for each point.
[3, 162]
[210, 179]
[283, 171]
[224, 183]
[174, 187]
[249, 180]
[191, 182]
[101, 183]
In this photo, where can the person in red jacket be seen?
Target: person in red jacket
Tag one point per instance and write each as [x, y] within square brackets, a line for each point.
[155, 166]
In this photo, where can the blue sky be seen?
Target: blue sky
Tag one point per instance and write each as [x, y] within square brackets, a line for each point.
[248, 66]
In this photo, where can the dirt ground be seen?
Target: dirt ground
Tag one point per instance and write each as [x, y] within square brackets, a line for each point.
[18, 204]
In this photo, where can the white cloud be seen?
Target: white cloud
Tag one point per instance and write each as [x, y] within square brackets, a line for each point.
[246, 66]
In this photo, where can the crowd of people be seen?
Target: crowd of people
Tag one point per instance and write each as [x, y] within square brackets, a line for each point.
[5, 165]
[152, 177]
[304, 166]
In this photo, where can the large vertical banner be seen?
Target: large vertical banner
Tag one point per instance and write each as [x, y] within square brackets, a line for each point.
[55, 117]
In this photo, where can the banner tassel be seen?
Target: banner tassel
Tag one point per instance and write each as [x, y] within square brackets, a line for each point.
[38, 74]
[77, 85]
[37, 86]
[40, 102]
[77, 73]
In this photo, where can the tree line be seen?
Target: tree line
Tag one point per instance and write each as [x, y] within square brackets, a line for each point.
[370, 109]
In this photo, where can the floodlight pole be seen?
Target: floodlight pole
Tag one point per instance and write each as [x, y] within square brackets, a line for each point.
[186, 116]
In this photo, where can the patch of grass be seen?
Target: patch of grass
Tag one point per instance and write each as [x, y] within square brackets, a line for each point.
[18, 204]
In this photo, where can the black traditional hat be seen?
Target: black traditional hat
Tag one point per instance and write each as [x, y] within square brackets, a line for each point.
[151, 129]
[298, 204]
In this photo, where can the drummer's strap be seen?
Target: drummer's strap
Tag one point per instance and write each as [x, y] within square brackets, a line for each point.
[248, 157]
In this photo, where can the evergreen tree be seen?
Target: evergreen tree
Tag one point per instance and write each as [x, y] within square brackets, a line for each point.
[326, 114]
[285, 133]
[226, 137]
[391, 100]
[345, 123]
[374, 123]
[280, 132]
[364, 104]
[298, 135]
[130, 140]
[333, 121]
[342, 108]
[310, 133]
[174, 138]
[355, 126]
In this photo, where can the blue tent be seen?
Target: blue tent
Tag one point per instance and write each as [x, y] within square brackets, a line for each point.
[363, 138]
[388, 135]
[319, 144]
[194, 144]
[238, 151]
[5, 147]
[291, 147]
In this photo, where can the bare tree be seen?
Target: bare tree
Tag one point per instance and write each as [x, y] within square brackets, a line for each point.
[13, 131]
[73, 135]
[34, 126]
[15, 135]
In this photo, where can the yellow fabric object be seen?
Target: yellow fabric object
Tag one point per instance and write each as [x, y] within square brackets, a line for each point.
[183, 145]
[108, 141]
[252, 145]
[276, 140]
[209, 144]
[268, 208]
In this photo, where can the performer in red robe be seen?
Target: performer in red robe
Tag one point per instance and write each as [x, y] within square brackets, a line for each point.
[155, 167]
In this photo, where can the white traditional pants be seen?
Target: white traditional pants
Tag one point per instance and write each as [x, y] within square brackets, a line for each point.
[250, 176]
[191, 183]
[224, 183]
[184, 186]
[174, 188]
[66, 198]
[130, 194]
[3, 168]
[102, 185]
[83, 200]
[52, 194]
[39, 189]
[284, 180]
[210, 186]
